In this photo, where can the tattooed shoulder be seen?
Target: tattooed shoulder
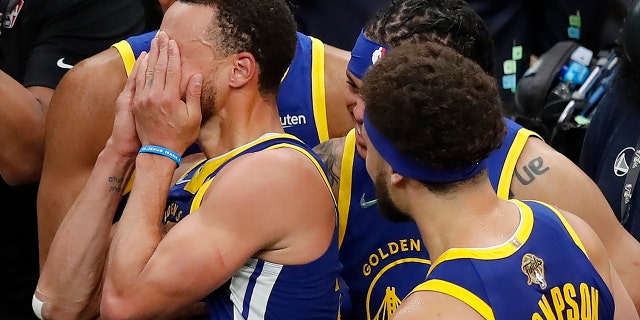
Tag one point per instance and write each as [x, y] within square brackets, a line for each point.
[528, 173]
[330, 153]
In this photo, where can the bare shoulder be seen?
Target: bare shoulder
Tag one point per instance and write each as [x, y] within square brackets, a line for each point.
[434, 305]
[544, 174]
[98, 77]
[282, 164]
[594, 247]
[336, 59]
[276, 178]
[282, 193]
[81, 113]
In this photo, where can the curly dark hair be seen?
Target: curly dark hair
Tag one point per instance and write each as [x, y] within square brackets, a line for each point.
[450, 22]
[264, 28]
[434, 105]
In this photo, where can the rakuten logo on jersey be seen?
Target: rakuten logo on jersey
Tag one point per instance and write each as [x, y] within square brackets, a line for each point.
[288, 120]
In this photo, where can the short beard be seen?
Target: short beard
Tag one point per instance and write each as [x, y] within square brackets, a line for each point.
[208, 97]
[386, 206]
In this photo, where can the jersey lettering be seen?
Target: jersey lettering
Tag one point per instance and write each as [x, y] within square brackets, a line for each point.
[564, 305]
[392, 248]
[290, 121]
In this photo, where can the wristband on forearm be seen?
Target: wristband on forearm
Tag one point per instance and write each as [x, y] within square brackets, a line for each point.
[161, 151]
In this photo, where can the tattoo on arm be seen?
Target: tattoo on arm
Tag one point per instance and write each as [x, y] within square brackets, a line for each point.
[116, 184]
[527, 174]
[326, 151]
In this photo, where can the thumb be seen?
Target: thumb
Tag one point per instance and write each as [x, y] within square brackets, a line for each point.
[194, 90]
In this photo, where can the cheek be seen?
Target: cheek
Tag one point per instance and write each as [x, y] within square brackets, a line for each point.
[351, 97]
[370, 168]
[358, 109]
[371, 162]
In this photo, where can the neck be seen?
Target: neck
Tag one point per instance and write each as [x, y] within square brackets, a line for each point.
[240, 118]
[469, 217]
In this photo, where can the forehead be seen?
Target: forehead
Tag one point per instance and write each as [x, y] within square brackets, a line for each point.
[186, 22]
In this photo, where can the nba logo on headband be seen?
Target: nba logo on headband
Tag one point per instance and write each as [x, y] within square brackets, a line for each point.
[378, 54]
[364, 54]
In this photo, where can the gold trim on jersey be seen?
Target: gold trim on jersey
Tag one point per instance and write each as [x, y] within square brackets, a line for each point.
[509, 166]
[496, 252]
[346, 172]
[567, 226]
[318, 89]
[201, 181]
[126, 52]
[459, 293]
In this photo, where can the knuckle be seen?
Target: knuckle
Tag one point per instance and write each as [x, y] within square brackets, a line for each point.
[159, 67]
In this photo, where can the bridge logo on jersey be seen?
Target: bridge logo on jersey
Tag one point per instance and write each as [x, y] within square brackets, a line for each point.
[389, 305]
[621, 164]
[533, 268]
[392, 283]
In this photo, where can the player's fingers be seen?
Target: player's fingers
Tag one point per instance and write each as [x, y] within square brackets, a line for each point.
[153, 58]
[160, 66]
[174, 70]
[130, 85]
[140, 75]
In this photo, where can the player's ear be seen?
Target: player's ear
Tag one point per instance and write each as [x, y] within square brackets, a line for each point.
[395, 178]
[243, 69]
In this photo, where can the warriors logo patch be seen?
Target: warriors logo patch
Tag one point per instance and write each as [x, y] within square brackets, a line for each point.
[533, 268]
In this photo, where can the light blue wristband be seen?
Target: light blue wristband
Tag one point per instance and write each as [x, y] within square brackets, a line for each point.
[161, 151]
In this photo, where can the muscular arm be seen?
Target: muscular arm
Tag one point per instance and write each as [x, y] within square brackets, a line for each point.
[78, 124]
[330, 152]
[139, 281]
[22, 117]
[70, 280]
[543, 174]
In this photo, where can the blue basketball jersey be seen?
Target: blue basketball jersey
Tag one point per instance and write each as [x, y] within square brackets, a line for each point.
[131, 48]
[542, 272]
[261, 289]
[383, 261]
[301, 98]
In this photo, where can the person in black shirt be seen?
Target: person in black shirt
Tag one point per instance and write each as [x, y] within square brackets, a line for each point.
[40, 41]
[610, 153]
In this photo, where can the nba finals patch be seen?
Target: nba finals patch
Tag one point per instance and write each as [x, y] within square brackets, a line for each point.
[533, 268]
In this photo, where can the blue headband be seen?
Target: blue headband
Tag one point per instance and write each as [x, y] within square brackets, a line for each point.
[364, 54]
[411, 168]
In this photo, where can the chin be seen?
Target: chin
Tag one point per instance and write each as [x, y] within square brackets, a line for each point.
[386, 206]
